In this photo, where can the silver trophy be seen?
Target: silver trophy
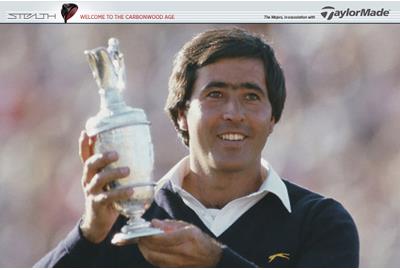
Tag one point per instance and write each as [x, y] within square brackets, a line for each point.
[118, 127]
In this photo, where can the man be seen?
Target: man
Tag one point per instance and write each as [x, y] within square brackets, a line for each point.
[223, 205]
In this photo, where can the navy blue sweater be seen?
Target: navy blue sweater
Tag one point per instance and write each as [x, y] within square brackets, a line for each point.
[318, 233]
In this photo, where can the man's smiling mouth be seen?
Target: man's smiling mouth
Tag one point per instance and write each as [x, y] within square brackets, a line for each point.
[232, 137]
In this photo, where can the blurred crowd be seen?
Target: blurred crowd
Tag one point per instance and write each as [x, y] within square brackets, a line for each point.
[337, 135]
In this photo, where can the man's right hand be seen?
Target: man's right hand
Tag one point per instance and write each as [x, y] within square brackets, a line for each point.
[100, 214]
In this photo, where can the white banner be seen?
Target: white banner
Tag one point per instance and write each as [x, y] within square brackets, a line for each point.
[199, 12]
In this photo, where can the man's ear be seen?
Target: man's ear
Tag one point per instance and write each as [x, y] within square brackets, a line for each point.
[272, 125]
[182, 121]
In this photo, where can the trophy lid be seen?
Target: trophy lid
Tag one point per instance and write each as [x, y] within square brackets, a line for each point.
[108, 69]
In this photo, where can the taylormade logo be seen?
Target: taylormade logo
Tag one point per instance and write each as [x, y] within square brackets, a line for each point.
[330, 12]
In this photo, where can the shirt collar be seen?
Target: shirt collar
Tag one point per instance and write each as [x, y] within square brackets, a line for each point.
[273, 183]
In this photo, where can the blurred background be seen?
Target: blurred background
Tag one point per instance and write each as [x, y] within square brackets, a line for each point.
[339, 133]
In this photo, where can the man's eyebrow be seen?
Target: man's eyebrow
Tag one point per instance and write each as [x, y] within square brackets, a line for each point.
[246, 85]
[216, 84]
[253, 86]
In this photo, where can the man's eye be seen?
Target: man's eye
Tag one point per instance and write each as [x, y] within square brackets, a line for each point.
[252, 97]
[214, 94]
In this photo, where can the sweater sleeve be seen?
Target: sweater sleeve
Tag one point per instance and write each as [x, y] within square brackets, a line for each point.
[331, 238]
[232, 259]
[73, 251]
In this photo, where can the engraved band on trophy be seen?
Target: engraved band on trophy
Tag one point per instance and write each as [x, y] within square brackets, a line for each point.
[118, 127]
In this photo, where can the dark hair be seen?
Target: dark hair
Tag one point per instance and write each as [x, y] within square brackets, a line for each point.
[211, 46]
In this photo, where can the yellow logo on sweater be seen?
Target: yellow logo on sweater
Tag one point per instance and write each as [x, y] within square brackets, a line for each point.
[279, 255]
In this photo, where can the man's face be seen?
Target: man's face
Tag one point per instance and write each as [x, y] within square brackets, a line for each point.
[229, 116]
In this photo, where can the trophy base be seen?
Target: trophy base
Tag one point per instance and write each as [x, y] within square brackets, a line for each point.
[121, 239]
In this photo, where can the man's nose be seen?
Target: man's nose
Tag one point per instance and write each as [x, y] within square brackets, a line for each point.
[233, 110]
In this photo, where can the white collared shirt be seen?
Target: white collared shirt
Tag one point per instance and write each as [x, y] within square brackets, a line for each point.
[219, 220]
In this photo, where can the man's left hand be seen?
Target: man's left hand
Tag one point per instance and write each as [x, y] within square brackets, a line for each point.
[181, 245]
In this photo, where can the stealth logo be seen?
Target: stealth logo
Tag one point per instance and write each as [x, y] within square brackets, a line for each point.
[329, 12]
[31, 16]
